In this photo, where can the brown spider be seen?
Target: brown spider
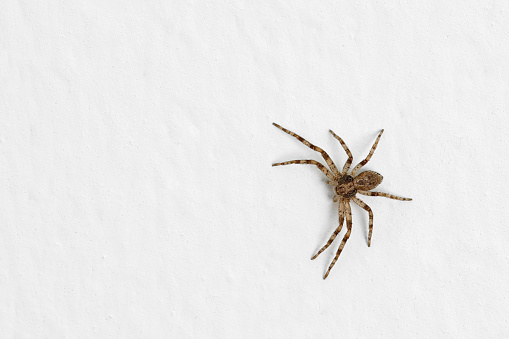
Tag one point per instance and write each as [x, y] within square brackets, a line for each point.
[346, 186]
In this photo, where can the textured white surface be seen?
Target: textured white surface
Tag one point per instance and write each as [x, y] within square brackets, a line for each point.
[137, 197]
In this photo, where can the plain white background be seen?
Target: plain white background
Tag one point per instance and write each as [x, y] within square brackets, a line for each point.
[136, 189]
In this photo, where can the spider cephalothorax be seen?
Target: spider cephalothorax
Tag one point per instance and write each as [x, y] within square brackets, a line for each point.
[346, 186]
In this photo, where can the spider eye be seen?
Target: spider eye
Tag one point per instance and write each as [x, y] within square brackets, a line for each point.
[367, 180]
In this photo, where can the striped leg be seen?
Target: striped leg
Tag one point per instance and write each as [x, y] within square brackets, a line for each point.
[345, 147]
[365, 161]
[311, 162]
[336, 232]
[348, 216]
[381, 194]
[327, 158]
[370, 212]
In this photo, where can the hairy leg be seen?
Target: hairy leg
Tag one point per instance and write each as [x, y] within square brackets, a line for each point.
[365, 161]
[348, 216]
[362, 204]
[336, 232]
[327, 158]
[345, 147]
[310, 162]
[381, 194]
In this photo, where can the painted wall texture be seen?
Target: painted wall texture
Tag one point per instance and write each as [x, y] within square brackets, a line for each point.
[137, 197]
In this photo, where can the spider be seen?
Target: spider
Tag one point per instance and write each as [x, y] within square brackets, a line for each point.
[346, 186]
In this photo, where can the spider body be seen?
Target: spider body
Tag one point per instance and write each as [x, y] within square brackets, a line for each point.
[368, 180]
[346, 186]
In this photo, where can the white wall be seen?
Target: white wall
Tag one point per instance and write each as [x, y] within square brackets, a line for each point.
[136, 189]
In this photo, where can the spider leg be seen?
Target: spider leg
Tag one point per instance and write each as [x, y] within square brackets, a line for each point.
[311, 162]
[365, 161]
[327, 158]
[346, 167]
[348, 216]
[381, 194]
[336, 232]
[362, 204]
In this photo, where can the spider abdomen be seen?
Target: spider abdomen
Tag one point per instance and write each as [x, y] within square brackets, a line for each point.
[345, 187]
[367, 180]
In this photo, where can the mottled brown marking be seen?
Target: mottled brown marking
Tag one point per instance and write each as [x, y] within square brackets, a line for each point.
[381, 194]
[370, 213]
[336, 232]
[324, 154]
[365, 161]
[346, 167]
[310, 162]
[345, 186]
[367, 180]
[348, 216]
